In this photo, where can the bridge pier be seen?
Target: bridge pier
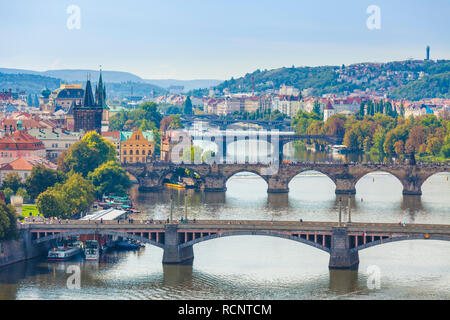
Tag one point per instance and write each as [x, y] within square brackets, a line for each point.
[345, 186]
[277, 185]
[341, 256]
[173, 253]
[214, 184]
[412, 190]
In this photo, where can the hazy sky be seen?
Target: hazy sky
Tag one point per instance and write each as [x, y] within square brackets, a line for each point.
[200, 39]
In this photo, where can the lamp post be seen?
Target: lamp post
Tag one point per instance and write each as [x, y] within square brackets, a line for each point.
[340, 212]
[171, 208]
[349, 210]
[185, 205]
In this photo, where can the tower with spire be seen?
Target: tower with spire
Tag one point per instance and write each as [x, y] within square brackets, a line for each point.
[89, 115]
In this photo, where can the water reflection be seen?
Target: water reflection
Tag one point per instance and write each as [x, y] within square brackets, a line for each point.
[177, 275]
[343, 282]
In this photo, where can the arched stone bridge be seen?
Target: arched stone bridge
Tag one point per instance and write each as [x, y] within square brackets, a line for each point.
[177, 240]
[277, 176]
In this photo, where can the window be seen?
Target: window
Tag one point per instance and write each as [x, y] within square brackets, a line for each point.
[131, 151]
[137, 151]
[124, 152]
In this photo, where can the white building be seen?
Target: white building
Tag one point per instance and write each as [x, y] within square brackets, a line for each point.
[328, 111]
[55, 140]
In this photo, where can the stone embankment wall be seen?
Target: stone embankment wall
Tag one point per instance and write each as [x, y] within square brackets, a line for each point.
[13, 251]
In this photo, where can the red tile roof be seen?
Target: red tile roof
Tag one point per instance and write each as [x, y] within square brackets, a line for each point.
[21, 140]
[23, 164]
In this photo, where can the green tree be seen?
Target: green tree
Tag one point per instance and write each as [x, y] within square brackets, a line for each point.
[8, 222]
[12, 181]
[316, 108]
[51, 203]
[110, 178]
[8, 193]
[42, 178]
[362, 107]
[64, 201]
[187, 109]
[79, 194]
[89, 153]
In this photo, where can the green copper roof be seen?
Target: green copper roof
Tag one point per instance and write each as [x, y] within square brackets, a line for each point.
[125, 135]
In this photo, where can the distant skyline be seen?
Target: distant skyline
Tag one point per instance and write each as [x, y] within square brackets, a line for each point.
[217, 39]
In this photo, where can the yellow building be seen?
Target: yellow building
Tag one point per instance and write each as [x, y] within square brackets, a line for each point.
[139, 147]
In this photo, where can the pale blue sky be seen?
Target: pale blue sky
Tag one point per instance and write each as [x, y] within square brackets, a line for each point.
[199, 39]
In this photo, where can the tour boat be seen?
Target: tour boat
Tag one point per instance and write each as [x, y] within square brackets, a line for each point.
[176, 185]
[91, 250]
[64, 252]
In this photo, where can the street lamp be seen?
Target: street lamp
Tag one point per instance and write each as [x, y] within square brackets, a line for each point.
[171, 208]
[340, 212]
[185, 205]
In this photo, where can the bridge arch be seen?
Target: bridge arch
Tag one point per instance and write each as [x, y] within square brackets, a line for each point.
[256, 233]
[401, 238]
[445, 176]
[246, 170]
[305, 171]
[166, 173]
[125, 235]
[399, 181]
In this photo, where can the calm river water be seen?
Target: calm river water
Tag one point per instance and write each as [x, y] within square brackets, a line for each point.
[256, 267]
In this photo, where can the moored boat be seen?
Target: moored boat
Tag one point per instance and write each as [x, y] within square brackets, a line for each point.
[175, 185]
[64, 251]
[129, 245]
[92, 250]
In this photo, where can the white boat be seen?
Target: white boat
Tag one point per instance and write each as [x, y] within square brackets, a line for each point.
[64, 252]
[91, 250]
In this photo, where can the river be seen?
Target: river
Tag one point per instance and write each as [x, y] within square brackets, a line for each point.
[257, 267]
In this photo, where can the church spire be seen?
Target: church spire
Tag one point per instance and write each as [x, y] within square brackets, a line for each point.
[88, 100]
[100, 92]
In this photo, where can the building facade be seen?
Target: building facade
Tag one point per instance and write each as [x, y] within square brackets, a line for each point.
[138, 148]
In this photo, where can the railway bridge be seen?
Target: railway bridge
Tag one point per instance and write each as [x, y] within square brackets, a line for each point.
[341, 241]
[214, 176]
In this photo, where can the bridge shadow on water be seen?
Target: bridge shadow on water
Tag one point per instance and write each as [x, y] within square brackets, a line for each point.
[343, 281]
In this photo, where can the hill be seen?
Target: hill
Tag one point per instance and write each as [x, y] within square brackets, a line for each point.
[187, 84]
[79, 75]
[32, 83]
[435, 86]
[384, 78]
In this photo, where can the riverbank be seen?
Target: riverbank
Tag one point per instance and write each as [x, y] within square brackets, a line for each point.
[14, 251]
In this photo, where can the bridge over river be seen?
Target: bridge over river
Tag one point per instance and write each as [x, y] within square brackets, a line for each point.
[213, 177]
[342, 241]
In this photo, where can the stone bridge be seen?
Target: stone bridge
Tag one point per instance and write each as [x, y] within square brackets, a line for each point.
[342, 242]
[276, 140]
[224, 123]
[277, 176]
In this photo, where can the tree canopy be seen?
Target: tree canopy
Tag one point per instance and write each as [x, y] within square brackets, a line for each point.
[86, 155]
[110, 178]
